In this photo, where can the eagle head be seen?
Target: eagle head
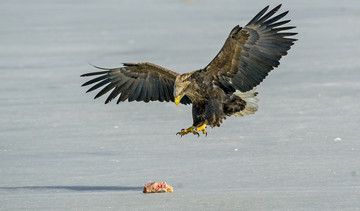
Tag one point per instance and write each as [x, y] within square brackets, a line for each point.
[180, 87]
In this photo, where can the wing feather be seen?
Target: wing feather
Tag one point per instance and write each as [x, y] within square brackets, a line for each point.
[155, 88]
[113, 94]
[274, 19]
[100, 84]
[161, 92]
[258, 15]
[143, 92]
[148, 88]
[95, 80]
[251, 52]
[135, 90]
[165, 90]
[125, 91]
[269, 14]
[278, 24]
[105, 90]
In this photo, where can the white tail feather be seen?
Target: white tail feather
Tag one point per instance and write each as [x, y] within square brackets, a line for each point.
[250, 98]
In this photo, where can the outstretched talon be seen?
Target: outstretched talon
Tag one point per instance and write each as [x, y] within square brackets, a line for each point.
[186, 131]
[202, 129]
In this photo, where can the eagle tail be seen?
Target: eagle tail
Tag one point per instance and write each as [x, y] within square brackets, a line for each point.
[251, 102]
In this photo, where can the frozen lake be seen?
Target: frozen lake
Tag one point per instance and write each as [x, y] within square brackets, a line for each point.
[62, 150]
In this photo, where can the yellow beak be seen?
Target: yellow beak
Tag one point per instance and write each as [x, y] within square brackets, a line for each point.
[177, 99]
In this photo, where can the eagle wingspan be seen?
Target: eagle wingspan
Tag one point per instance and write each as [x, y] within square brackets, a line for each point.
[251, 52]
[135, 82]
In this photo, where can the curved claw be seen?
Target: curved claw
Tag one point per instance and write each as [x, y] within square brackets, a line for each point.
[196, 133]
[193, 131]
[181, 132]
[186, 131]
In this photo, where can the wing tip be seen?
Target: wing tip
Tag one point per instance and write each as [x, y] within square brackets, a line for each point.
[94, 73]
[261, 16]
[257, 16]
[87, 74]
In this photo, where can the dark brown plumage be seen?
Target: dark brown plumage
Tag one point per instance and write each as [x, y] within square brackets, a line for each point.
[135, 82]
[225, 87]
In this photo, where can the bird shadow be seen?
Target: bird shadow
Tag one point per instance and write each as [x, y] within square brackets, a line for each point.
[75, 188]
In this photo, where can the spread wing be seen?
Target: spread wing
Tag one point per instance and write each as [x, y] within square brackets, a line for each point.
[251, 52]
[135, 81]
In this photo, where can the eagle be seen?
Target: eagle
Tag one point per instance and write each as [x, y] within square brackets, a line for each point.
[224, 88]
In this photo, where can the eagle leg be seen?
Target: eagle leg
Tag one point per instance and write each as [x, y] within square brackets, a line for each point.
[186, 131]
[202, 129]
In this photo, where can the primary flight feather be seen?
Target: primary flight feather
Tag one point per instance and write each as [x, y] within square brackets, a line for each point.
[225, 87]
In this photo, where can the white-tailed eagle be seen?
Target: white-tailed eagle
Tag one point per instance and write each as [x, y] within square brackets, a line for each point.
[224, 88]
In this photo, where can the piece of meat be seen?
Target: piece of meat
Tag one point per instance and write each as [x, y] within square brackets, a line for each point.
[155, 187]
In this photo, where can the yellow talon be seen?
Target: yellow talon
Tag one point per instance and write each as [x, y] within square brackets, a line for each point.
[186, 131]
[202, 128]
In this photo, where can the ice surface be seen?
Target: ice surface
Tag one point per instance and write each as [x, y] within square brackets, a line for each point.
[61, 150]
